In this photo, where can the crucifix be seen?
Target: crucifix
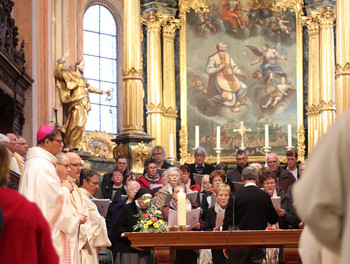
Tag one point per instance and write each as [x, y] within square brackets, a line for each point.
[242, 130]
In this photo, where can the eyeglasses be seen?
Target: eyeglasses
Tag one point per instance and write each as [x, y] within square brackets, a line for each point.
[217, 180]
[152, 168]
[206, 182]
[272, 162]
[269, 183]
[77, 165]
[64, 165]
[59, 141]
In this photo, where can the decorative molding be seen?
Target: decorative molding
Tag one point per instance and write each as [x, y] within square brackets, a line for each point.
[312, 110]
[199, 6]
[185, 157]
[312, 24]
[170, 25]
[153, 20]
[98, 144]
[132, 73]
[295, 5]
[152, 108]
[342, 70]
[324, 106]
[326, 17]
[171, 111]
[141, 153]
[301, 143]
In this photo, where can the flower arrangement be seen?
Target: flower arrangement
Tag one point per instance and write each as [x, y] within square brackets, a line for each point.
[149, 221]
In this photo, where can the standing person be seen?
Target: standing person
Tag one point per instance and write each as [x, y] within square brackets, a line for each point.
[26, 236]
[62, 166]
[158, 153]
[199, 166]
[80, 235]
[285, 178]
[12, 147]
[190, 183]
[292, 166]
[171, 176]
[223, 85]
[151, 177]
[21, 152]
[95, 223]
[252, 210]
[235, 174]
[322, 195]
[121, 163]
[41, 184]
[74, 91]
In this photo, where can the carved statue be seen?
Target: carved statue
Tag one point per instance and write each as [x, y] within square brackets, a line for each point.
[74, 91]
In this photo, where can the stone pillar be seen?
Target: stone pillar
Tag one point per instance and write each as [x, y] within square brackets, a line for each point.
[343, 56]
[327, 87]
[133, 141]
[312, 24]
[169, 96]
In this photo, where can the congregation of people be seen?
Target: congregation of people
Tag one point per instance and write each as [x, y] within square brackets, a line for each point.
[65, 226]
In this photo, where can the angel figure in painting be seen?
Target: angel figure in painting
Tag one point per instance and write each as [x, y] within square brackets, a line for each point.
[198, 84]
[281, 23]
[223, 85]
[205, 22]
[269, 66]
[278, 94]
[230, 12]
[74, 91]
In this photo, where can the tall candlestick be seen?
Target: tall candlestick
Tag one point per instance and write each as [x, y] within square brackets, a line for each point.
[266, 135]
[289, 135]
[181, 208]
[218, 137]
[171, 142]
[196, 142]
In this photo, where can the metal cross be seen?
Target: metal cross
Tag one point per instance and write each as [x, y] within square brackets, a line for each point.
[242, 130]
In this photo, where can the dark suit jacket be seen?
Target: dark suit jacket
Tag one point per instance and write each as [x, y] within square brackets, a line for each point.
[206, 170]
[285, 179]
[252, 209]
[285, 168]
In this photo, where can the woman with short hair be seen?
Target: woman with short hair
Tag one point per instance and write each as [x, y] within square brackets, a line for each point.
[171, 176]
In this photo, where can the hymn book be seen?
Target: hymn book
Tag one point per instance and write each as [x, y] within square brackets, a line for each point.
[276, 202]
[102, 205]
[192, 218]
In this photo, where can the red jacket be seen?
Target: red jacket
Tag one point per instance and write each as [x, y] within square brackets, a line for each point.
[145, 184]
[26, 235]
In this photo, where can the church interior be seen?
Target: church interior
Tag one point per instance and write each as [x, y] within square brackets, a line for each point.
[259, 76]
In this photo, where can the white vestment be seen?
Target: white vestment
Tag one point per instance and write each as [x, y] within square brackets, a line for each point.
[97, 228]
[41, 185]
[14, 165]
[322, 195]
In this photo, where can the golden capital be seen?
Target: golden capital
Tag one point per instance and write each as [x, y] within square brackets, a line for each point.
[312, 110]
[132, 73]
[326, 17]
[342, 70]
[324, 106]
[152, 20]
[198, 6]
[152, 108]
[171, 111]
[312, 23]
[295, 5]
[169, 26]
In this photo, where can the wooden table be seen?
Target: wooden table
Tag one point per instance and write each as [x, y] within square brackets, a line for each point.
[162, 243]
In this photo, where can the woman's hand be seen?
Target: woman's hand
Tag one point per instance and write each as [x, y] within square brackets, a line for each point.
[281, 212]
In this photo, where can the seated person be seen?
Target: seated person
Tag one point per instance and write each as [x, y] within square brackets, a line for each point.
[171, 176]
[190, 183]
[223, 193]
[126, 221]
[151, 177]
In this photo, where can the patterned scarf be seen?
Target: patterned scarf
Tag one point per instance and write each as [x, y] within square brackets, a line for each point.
[150, 179]
[218, 208]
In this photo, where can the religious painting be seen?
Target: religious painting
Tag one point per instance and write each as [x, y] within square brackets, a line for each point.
[241, 66]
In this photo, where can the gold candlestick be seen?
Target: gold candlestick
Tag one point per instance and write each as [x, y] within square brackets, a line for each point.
[171, 158]
[218, 152]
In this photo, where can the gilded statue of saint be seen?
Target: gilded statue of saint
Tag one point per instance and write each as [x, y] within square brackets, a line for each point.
[74, 91]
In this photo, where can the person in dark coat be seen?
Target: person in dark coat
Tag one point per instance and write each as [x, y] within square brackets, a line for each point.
[121, 163]
[126, 221]
[235, 174]
[199, 166]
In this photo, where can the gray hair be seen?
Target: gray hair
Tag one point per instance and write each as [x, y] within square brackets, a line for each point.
[133, 183]
[200, 151]
[205, 176]
[182, 185]
[165, 174]
[60, 156]
[254, 165]
[159, 148]
[250, 173]
[4, 138]
[278, 159]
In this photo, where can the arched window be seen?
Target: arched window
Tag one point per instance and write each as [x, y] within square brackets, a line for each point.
[100, 56]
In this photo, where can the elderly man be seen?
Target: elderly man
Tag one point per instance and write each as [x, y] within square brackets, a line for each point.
[21, 152]
[252, 210]
[12, 147]
[62, 166]
[121, 163]
[285, 178]
[41, 184]
[158, 153]
[199, 166]
[89, 181]
[292, 159]
[235, 174]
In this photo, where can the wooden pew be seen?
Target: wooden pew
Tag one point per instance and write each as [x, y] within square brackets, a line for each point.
[162, 243]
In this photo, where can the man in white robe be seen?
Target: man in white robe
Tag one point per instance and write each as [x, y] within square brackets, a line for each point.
[79, 239]
[322, 195]
[89, 180]
[41, 184]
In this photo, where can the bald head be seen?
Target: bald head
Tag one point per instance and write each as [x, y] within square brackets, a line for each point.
[13, 142]
[273, 161]
[75, 164]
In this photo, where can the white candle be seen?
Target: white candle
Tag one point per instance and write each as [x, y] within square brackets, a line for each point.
[289, 135]
[266, 135]
[218, 137]
[196, 138]
[181, 208]
[171, 147]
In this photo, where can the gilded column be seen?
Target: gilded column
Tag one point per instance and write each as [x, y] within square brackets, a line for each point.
[343, 56]
[155, 107]
[132, 71]
[312, 24]
[327, 87]
[169, 98]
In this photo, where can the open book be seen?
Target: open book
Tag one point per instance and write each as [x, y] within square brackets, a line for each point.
[198, 178]
[102, 205]
[155, 188]
[191, 196]
[192, 218]
[276, 202]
